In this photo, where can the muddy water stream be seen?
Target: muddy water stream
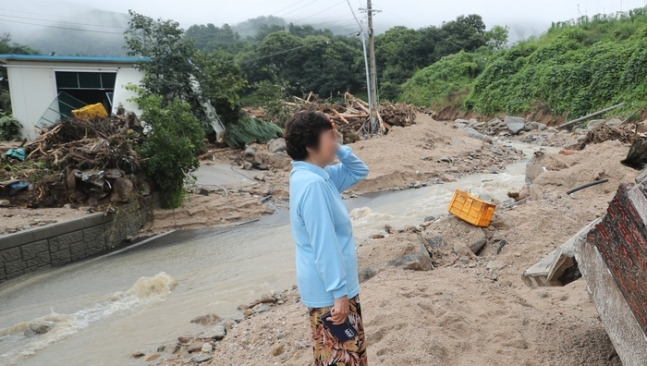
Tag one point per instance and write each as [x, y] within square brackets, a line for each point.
[103, 310]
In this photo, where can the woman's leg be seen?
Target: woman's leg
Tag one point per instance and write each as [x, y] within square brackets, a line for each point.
[328, 351]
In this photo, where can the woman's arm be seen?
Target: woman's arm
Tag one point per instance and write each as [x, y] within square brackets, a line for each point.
[316, 211]
[349, 172]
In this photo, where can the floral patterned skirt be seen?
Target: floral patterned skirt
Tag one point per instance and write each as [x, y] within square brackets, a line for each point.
[328, 351]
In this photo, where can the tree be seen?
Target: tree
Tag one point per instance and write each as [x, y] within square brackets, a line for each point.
[168, 73]
[497, 37]
[169, 152]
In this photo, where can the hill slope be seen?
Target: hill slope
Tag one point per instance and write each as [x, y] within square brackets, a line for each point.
[575, 68]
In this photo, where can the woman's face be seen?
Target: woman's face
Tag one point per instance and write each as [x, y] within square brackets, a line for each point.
[327, 151]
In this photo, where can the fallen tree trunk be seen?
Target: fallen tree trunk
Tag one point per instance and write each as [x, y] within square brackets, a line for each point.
[569, 123]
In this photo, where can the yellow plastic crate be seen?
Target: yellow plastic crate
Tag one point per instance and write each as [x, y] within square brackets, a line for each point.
[90, 112]
[471, 209]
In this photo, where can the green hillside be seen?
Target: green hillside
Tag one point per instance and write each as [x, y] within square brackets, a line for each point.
[575, 68]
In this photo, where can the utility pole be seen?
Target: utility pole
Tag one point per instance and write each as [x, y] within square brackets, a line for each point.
[375, 126]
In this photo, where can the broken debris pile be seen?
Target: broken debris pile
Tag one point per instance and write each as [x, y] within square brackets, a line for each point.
[350, 116]
[79, 161]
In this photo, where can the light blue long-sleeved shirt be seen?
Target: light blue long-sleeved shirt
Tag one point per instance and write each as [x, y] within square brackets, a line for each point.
[325, 249]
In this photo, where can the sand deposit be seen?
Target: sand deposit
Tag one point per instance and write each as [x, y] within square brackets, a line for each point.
[468, 309]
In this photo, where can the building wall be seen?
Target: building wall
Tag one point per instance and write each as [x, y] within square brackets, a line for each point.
[126, 76]
[32, 90]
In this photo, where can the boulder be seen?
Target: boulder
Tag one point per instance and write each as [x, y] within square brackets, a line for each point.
[418, 260]
[515, 124]
[277, 145]
[456, 233]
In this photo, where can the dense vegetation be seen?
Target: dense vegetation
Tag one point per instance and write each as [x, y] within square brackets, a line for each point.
[299, 59]
[575, 68]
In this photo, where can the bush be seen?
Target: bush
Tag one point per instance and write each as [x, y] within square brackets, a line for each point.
[9, 128]
[169, 152]
[249, 130]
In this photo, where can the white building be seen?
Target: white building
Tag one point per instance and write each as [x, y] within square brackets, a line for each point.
[45, 89]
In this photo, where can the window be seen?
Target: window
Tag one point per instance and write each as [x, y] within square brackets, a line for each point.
[66, 80]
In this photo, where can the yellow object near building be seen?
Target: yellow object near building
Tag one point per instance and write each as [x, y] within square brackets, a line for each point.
[471, 209]
[90, 112]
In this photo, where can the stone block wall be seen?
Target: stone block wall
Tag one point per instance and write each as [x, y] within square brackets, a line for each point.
[66, 242]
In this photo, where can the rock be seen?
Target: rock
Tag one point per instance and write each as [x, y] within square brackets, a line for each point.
[579, 131]
[494, 123]
[200, 358]
[153, 357]
[138, 355]
[595, 123]
[261, 308]
[161, 348]
[249, 153]
[552, 130]
[515, 124]
[122, 189]
[278, 350]
[535, 126]
[366, 273]
[417, 185]
[218, 332]
[437, 242]
[203, 192]
[185, 339]
[248, 312]
[495, 265]
[208, 319]
[260, 177]
[447, 178]
[207, 347]
[418, 260]
[641, 127]
[377, 236]
[144, 188]
[194, 347]
[248, 165]
[430, 218]
[277, 145]
[475, 134]
[4, 203]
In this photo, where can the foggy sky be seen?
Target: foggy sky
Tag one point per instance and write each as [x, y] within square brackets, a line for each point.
[411, 13]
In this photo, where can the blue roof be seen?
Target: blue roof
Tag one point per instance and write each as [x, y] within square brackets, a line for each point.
[47, 58]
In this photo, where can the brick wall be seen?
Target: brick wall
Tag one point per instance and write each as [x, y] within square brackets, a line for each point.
[66, 242]
[621, 239]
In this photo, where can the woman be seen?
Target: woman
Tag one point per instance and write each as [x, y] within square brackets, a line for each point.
[326, 260]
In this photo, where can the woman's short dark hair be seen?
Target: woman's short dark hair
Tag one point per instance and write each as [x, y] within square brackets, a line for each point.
[302, 131]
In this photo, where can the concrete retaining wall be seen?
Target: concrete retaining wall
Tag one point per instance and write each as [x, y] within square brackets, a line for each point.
[69, 241]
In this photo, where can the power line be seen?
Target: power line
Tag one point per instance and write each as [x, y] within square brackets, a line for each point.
[299, 8]
[354, 16]
[287, 7]
[321, 11]
[284, 51]
[59, 27]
